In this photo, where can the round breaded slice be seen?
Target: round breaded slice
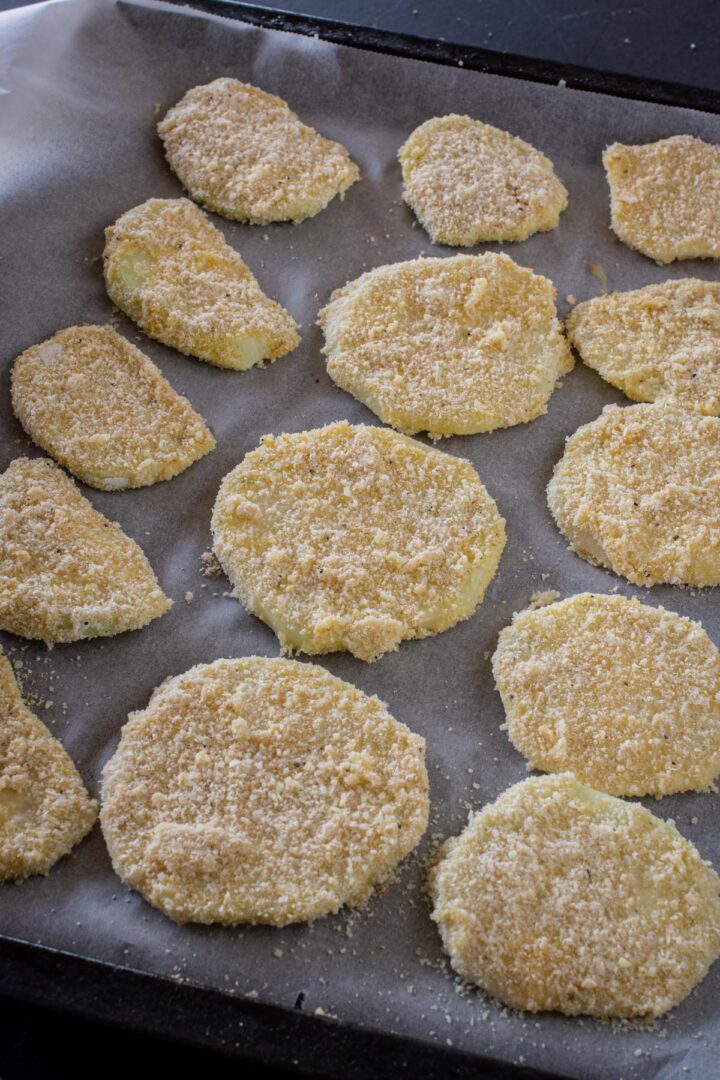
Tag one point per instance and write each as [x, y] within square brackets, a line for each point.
[261, 791]
[638, 491]
[356, 538]
[170, 270]
[66, 572]
[44, 807]
[245, 154]
[665, 197]
[624, 695]
[660, 343]
[448, 346]
[558, 897]
[104, 410]
[469, 182]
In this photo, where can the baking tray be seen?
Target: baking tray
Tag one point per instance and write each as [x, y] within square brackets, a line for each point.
[368, 994]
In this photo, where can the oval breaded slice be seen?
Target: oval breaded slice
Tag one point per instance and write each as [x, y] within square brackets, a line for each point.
[169, 269]
[665, 197]
[44, 807]
[104, 410]
[558, 897]
[638, 491]
[624, 695]
[245, 154]
[469, 182]
[448, 346]
[261, 791]
[660, 343]
[66, 572]
[355, 538]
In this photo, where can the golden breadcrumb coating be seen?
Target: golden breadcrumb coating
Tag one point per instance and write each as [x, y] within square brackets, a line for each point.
[624, 695]
[169, 269]
[245, 154]
[638, 491]
[469, 182]
[44, 807]
[261, 791]
[104, 410]
[448, 346]
[66, 572]
[560, 897]
[665, 197]
[356, 538]
[660, 343]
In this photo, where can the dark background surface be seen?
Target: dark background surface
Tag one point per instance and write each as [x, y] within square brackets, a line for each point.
[657, 39]
[673, 40]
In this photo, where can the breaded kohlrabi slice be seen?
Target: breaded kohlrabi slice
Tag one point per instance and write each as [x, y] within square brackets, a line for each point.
[560, 897]
[245, 154]
[638, 491]
[660, 343]
[44, 807]
[665, 197]
[448, 346]
[171, 271]
[104, 410]
[356, 538]
[261, 791]
[469, 183]
[66, 572]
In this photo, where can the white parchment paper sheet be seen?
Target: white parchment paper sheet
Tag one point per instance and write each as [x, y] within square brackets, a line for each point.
[83, 82]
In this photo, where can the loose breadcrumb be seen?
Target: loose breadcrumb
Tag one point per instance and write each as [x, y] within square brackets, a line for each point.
[624, 695]
[44, 807]
[66, 572]
[543, 598]
[665, 197]
[356, 538]
[638, 491]
[210, 566]
[660, 343]
[104, 410]
[598, 272]
[449, 346]
[469, 182]
[245, 154]
[171, 271]
[262, 791]
[560, 897]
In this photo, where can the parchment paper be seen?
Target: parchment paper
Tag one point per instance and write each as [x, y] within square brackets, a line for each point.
[83, 82]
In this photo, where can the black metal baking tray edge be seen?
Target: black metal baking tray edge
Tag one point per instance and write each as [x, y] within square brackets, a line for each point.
[187, 1013]
[469, 56]
[239, 1027]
